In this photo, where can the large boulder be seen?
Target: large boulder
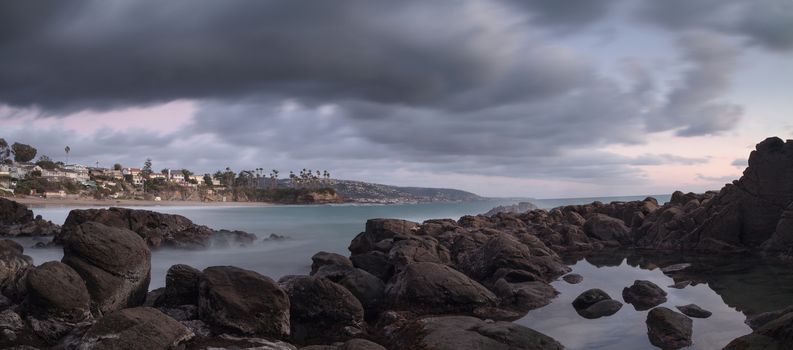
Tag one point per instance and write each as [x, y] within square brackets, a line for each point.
[606, 228]
[668, 329]
[135, 328]
[428, 288]
[114, 263]
[378, 230]
[181, 286]
[157, 229]
[352, 344]
[590, 297]
[463, 332]
[502, 254]
[17, 220]
[14, 266]
[57, 300]
[322, 311]
[324, 259]
[773, 335]
[643, 295]
[369, 289]
[243, 301]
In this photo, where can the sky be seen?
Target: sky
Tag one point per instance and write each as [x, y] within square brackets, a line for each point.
[538, 98]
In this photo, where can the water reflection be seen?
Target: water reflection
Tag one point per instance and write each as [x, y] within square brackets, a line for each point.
[732, 288]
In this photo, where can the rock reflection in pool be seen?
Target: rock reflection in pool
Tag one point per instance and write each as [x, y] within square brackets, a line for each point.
[627, 329]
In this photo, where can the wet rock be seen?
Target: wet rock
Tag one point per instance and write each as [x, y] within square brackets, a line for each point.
[776, 334]
[607, 228]
[16, 220]
[378, 230]
[181, 286]
[427, 288]
[463, 332]
[521, 207]
[135, 328]
[523, 296]
[322, 311]
[502, 251]
[692, 310]
[600, 309]
[374, 262]
[114, 263]
[644, 295]
[668, 329]
[14, 266]
[573, 278]
[352, 344]
[409, 249]
[228, 341]
[243, 301]
[324, 258]
[680, 285]
[229, 238]
[589, 298]
[12, 327]
[759, 320]
[675, 268]
[57, 300]
[369, 289]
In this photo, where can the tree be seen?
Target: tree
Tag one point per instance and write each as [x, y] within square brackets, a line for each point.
[164, 171]
[186, 174]
[146, 172]
[46, 163]
[117, 166]
[22, 152]
[5, 151]
[67, 149]
[208, 180]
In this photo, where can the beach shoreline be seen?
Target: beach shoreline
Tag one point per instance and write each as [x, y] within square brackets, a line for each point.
[44, 202]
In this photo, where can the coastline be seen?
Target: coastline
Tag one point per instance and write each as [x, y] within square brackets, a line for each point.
[41, 202]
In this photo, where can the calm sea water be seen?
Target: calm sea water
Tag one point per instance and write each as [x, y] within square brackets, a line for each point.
[730, 293]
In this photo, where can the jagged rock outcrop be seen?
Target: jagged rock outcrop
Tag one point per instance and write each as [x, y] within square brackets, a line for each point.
[774, 334]
[14, 267]
[157, 229]
[243, 301]
[114, 263]
[518, 208]
[17, 220]
[135, 328]
[369, 289]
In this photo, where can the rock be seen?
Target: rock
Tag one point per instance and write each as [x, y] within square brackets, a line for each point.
[428, 288]
[521, 207]
[135, 328]
[573, 278]
[759, 320]
[227, 341]
[378, 230]
[114, 263]
[16, 220]
[675, 268]
[643, 295]
[522, 297]
[57, 300]
[227, 238]
[693, 310]
[607, 228]
[14, 266]
[600, 309]
[324, 258]
[680, 285]
[322, 311]
[668, 329]
[589, 298]
[12, 327]
[181, 286]
[156, 229]
[503, 252]
[463, 332]
[776, 334]
[369, 289]
[374, 262]
[243, 301]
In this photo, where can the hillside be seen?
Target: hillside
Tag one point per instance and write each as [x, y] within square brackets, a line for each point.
[364, 192]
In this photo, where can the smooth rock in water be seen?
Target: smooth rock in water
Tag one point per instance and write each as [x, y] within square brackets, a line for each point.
[324, 258]
[589, 298]
[692, 310]
[644, 295]
[17, 220]
[369, 289]
[181, 286]
[600, 309]
[243, 301]
[322, 311]
[428, 288]
[573, 278]
[135, 328]
[675, 268]
[463, 332]
[114, 263]
[668, 329]
[680, 285]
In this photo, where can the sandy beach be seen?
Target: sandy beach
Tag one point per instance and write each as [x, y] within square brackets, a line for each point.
[38, 201]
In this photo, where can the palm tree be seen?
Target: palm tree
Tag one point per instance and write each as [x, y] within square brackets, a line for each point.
[67, 149]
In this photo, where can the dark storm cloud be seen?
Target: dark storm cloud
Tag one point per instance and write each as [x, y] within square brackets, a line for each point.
[479, 87]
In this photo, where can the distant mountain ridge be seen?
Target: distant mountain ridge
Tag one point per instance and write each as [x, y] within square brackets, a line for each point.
[366, 192]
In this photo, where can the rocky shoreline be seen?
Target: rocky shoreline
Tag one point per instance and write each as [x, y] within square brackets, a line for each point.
[440, 284]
